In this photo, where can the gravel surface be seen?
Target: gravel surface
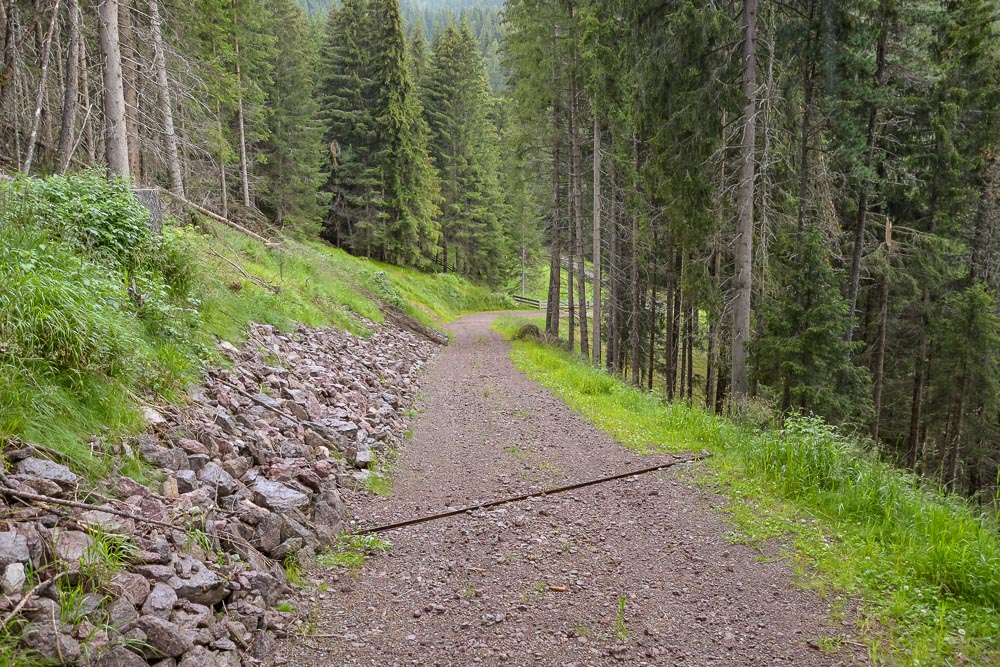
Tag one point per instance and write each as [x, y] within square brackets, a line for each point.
[633, 572]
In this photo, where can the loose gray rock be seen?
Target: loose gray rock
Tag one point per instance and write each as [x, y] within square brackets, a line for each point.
[45, 469]
[160, 601]
[164, 638]
[131, 586]
[13, 548]
[119, 656]
[187, 480]
[276, 496]
[217, 479]
[121, 614]
[203, 587]
[51, 642]
[162, 457]
[13, 578]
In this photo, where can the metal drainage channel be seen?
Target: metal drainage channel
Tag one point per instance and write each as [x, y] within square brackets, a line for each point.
[526, 496]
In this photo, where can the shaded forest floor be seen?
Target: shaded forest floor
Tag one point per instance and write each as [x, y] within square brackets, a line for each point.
[638, 571]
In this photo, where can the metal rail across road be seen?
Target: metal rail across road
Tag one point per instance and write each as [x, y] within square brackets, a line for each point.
[536, 494]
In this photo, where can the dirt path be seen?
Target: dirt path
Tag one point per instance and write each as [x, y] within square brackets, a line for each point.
[543, 582]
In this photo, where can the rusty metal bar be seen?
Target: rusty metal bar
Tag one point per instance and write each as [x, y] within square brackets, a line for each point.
[536, 494]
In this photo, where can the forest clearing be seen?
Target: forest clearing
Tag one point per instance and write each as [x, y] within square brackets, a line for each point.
[311, 311]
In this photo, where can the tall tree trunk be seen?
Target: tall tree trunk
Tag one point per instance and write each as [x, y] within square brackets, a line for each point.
[163, 83]
[862, 215]
[40, 97]
[744, 206]
[878, 375]
[692, 314]
[130, 84]
[223, 185]
[9, 52]
[577, 176]
[553, 306]
[244, 166]
[596, 343]
[614, 276]
[808, 77]
[670, 348]
[712, 356]
[570, 247]
[71, 93]
[89, 141]
[635, 316]
[115, 131]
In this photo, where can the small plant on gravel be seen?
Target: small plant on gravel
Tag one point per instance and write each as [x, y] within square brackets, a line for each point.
[293, 570]
[621, 631]
[106, 555]
[350, 551]
[470, 592]
[285, 607]
[378, 483]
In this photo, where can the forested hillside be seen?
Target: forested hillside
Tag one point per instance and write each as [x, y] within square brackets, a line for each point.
[795, 205]
[789, 207]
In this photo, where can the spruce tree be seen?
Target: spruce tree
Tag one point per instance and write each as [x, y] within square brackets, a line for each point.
[292, 173]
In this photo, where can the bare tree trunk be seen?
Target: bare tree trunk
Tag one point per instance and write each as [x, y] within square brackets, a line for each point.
[160, 62]
[115, 130]
[614, 277]
[89, 141]
[692, 314]
[244, 167]
[40, 97]
[596, 343]
[636, 315]
[223, 185]
[577, 185]
[859, 225]
[552, 313]
[744, 205]
[71, 93]
[713, 334]
[879, 370]
[9, 46]
[916, 405]
[570, 246]
[129, 80]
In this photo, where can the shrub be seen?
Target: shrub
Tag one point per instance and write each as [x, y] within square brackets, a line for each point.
[86, 210]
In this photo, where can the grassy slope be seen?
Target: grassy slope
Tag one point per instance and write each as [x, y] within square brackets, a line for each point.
[926, 566]
[78, 357]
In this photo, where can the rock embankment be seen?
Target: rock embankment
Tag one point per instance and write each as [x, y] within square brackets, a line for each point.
[251, 474]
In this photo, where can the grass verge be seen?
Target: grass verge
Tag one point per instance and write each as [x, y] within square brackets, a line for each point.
[925, 565]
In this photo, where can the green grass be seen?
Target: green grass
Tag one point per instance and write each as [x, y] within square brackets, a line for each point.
[925, 565]
[79, 354]
[351, 551]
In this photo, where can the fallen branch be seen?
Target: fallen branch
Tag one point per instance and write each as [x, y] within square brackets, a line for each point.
[39, 498]
[256, 400]
[254, 279]
[218, 218]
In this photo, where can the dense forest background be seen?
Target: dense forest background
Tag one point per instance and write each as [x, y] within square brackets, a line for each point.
[788, 207]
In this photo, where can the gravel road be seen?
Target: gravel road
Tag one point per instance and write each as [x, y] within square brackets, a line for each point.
[633, 572]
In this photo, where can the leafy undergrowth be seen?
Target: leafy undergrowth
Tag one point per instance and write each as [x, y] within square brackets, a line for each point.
[98, 315]
[925, 565]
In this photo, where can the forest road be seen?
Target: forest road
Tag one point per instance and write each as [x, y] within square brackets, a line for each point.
[632, 572]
